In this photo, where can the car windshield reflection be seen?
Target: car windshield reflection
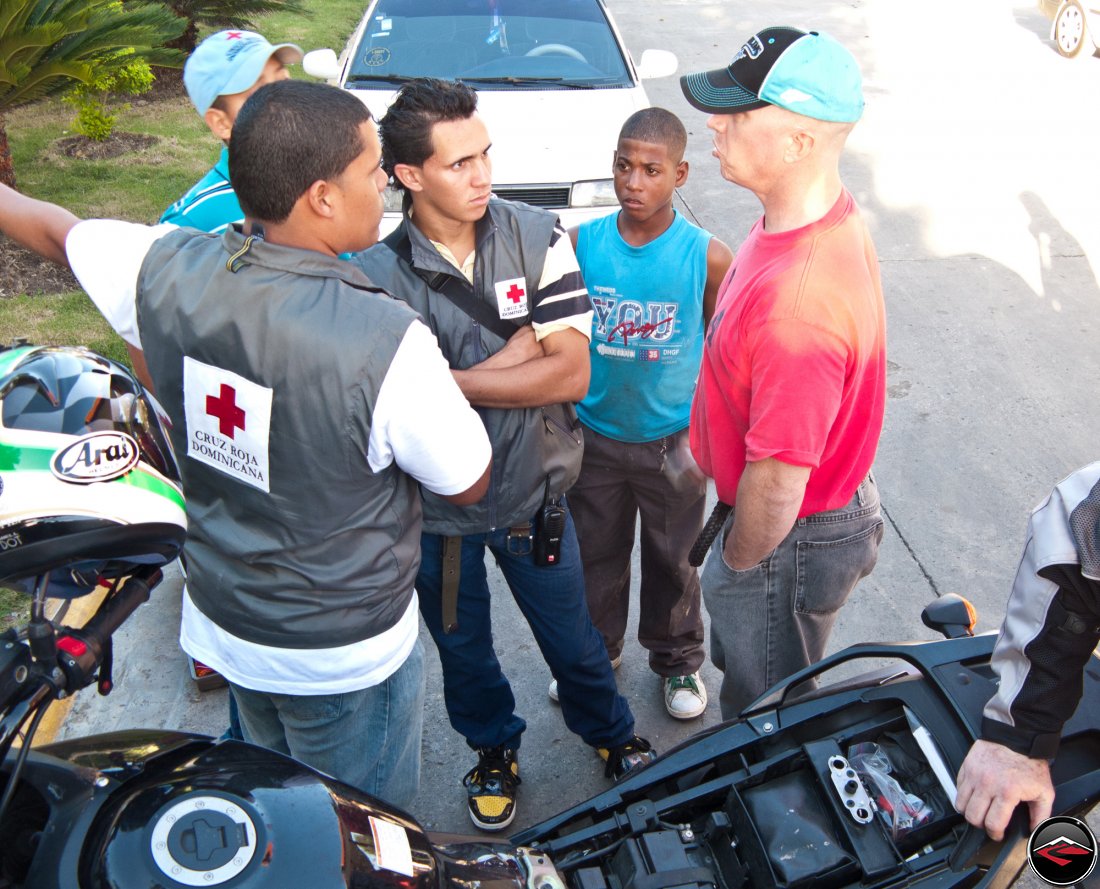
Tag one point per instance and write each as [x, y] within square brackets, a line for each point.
[499, 44]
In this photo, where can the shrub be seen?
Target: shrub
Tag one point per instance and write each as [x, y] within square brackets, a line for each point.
[96, 103]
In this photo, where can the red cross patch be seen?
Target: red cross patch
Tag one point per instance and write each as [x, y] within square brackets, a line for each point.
[511, 297]
[228, 422]
[224, 408]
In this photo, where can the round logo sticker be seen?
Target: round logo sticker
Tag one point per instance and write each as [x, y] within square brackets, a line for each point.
[376, 56]
[1062, 851]
[96, 457]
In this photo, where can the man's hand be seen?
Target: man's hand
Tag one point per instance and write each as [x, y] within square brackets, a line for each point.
[994, 779]
[557, 375]
[769, 497]
[523, 346]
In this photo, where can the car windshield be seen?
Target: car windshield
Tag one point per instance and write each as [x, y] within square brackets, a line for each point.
[492, 44]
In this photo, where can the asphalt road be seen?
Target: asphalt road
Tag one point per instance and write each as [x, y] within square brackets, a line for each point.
[975, 164]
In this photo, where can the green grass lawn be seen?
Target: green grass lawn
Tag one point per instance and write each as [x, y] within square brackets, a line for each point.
[136, 186]
[13, 608]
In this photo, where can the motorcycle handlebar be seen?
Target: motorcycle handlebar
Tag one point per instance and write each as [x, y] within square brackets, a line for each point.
[81, 651]
[113, 613]
[76, 655]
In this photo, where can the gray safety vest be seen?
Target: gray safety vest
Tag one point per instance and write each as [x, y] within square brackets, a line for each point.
[529, 444]
[328, 556]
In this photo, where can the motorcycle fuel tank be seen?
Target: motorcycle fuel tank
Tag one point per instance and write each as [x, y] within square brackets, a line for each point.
[231, 814]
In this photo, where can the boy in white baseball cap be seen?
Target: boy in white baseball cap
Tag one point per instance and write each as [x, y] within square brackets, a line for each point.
[219, 76]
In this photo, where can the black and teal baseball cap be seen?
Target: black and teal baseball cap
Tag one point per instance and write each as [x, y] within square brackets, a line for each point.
[805, 72]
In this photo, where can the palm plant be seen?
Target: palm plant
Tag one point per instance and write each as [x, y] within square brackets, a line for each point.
[221, 14]
[46, 46]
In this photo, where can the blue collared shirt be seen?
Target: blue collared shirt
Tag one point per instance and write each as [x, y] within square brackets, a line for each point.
[211, 205]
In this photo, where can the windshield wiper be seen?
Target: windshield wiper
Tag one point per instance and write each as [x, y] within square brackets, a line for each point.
[521, 81]
[381, 78]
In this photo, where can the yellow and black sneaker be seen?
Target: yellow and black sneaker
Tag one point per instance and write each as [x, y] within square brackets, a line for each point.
[624, 759]
[491, 787]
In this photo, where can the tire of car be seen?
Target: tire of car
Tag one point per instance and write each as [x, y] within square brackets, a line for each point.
[1071, 31]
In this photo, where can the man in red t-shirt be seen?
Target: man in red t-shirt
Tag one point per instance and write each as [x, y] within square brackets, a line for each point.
[791, 393]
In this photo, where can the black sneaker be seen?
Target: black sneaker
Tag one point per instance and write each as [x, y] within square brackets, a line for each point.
[623, 759]
[491, 787]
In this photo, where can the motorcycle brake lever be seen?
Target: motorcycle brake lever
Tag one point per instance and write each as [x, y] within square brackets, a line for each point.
[106, 682]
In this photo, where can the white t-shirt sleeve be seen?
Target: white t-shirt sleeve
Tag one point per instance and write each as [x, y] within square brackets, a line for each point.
[423, 422]
[562, 283]
[106, 257]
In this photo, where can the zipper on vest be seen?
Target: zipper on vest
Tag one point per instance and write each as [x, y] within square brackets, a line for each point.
[479, 346]
[490, 497]
[237, 261]
[550, 423]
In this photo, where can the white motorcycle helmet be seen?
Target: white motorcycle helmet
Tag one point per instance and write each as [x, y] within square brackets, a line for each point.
[89, 486]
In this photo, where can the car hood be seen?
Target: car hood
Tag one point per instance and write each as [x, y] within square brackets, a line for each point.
[546, 136]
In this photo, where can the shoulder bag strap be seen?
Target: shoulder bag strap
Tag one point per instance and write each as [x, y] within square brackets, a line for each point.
[459, 292]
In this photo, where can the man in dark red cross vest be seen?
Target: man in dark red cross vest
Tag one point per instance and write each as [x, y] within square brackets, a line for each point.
[304, 512]
[498, 284]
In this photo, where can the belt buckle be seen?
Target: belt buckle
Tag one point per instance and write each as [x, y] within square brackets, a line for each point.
[520, 540]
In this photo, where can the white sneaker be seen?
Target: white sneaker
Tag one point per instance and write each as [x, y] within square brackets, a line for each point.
[553, 690]
[685, 696]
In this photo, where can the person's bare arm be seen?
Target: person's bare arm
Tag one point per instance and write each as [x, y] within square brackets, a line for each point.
[44, 227]
[993, 780]
[560, 374]
[523, 346]
[719, 260]
[473, 493]
[37, 225]
[769, 496]
[141, 369]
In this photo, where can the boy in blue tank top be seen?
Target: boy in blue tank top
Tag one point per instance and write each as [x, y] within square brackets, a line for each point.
[653, 277]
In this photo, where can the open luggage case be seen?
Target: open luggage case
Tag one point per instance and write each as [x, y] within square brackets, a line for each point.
[792, 795]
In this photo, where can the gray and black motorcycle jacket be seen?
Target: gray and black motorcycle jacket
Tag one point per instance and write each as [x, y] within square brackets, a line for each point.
[1052, 624]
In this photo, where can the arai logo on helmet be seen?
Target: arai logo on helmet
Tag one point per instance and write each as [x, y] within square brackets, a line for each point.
[96, 457]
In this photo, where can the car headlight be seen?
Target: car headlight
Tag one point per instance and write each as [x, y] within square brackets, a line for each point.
[594, 193]
[392, 198]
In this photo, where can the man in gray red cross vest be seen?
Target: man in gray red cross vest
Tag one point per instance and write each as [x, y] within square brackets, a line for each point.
[304, 512]
[498, 284]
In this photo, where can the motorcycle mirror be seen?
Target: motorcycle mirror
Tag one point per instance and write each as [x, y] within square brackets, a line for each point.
[951, 615]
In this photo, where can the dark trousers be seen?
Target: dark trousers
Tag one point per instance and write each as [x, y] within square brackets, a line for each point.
[658, 480]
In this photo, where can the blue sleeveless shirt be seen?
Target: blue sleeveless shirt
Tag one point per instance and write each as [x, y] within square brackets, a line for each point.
[647, 328]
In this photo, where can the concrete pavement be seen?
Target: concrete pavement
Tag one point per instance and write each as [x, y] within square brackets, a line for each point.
[975, 165]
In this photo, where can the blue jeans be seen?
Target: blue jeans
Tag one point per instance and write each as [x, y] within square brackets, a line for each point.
[774, 618]
[479, 699]
[369, 738]
[234, 732]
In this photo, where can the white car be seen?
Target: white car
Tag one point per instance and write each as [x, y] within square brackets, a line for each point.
[1074, 26]
[554, 83]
